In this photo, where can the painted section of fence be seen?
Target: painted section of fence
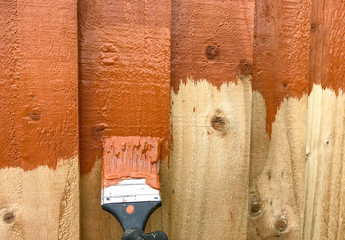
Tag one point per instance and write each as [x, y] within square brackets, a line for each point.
[124, 57]
[247, 97]
[39, 187]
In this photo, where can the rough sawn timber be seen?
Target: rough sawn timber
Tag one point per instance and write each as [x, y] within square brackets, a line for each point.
[212, 45]
[39, 187]
[325, 173]
[279, 119]
[124, 54]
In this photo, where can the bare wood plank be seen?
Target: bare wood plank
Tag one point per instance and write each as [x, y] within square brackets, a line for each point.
[39, 197]
[210, 124]
[324, 208]
[278, 137]
[125, 91]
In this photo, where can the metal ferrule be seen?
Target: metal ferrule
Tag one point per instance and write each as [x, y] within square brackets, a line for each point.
[130, 190]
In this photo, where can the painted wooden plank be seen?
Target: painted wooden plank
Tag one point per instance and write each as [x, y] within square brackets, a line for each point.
[39, 197]
[279, 119]
[210, 118]
[124, 91]
[325, 194]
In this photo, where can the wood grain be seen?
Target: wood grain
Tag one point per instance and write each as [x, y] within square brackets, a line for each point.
[279, 119]
[210, 118]
[324, 208]
[208, 176]
[124, 55]
[257, 114]
[39, 197]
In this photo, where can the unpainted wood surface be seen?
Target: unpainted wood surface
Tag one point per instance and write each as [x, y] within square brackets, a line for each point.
[325, 195]
[279, 119]
[324, 207]
[208, 175]
[210, 119]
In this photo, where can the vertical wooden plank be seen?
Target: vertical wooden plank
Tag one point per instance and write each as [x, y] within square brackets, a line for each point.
[325, 194]
[124, 91]
[39, 197]
[211, 113]
[278, 137]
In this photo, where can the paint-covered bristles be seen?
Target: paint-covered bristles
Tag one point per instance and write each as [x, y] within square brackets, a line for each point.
[131, 157]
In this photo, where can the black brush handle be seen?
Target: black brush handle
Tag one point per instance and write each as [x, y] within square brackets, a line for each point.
[133, 218]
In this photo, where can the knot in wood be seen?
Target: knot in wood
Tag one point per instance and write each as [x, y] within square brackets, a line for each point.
[246, 68]
[97, 130]
[255, 208]
[219, 123]
[281, 225]
[8, 217]
[35, 115]
[314, 27]
[212, 52]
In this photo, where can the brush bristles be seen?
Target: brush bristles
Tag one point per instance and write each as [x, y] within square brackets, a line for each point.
[131, 157]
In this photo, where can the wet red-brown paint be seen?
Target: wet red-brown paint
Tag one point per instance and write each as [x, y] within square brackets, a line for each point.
[131, 157]
[327, 56]
[39, 83]
[124, 73]
[327, 67]
[292, 52]
[281, 52]
[124, 65]
[214, 41]
[211, 40]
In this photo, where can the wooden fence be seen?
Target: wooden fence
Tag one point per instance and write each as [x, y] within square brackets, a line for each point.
[248, 96]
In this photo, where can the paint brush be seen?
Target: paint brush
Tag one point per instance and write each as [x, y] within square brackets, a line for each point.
[130, 183]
